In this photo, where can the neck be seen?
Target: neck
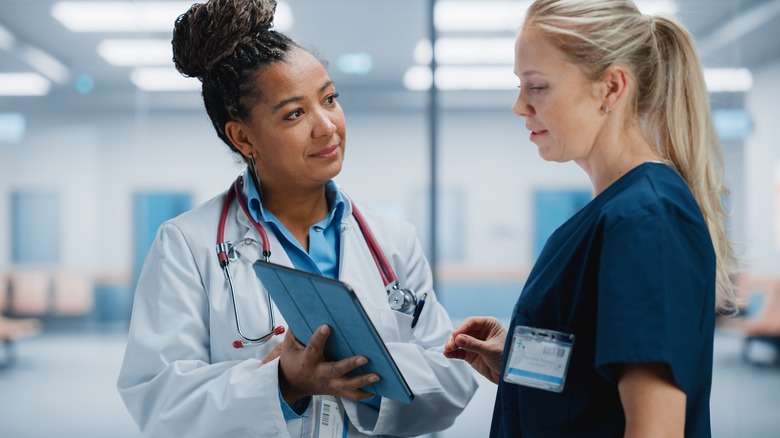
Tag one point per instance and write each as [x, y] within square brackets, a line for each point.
[614, 154]
[296, 209]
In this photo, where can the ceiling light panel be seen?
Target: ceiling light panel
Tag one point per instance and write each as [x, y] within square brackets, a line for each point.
[479, 15]
[162, 79]
[467, 51]
[495, 16]
[82, 16]
[461, 78]
[23, 84]
[728, 79]
[136, 52]
[137, 16]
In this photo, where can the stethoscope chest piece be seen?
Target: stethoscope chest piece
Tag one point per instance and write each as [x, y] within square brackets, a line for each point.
[401, 299]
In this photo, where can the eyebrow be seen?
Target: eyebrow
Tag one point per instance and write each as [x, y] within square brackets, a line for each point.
[298, 98]
[531, 72]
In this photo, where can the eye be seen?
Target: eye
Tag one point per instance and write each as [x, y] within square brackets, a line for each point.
[331, 99]
[294, 115]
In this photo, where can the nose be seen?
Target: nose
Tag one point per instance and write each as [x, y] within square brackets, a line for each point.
[521, 106]
[324, 124]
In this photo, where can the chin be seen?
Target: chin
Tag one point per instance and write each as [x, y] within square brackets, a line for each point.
[334, 170]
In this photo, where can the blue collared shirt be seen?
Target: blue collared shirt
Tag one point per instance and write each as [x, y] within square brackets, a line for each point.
[324, 236]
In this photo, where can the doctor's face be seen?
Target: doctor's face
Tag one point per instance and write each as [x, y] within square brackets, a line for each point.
[559, 103]
[296, 129]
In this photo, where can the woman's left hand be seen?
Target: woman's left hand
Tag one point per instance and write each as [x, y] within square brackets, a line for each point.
[304, 371]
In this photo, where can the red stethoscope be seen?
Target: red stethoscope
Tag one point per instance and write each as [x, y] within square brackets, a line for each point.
[400, 299]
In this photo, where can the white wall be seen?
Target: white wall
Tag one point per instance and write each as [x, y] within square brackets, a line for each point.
[762, 156]
[97, 162]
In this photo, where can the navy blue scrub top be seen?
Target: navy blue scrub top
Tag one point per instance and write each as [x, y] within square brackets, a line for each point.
[632, 276]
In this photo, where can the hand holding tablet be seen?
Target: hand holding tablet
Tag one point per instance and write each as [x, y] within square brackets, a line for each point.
[308, 301]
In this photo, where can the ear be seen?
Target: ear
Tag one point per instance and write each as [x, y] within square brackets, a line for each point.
[615, 85]
[238, 134]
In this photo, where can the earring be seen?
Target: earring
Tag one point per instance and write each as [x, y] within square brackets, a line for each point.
[607, 111]
[254, 175]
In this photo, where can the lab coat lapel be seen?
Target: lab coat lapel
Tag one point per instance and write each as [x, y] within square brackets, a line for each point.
[359, 270]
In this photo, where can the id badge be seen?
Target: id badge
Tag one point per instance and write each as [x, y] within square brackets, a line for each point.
[330, 423]
[539, 358]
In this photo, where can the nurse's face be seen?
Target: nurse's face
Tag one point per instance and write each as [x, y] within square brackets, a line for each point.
[296, 131]
[559, 103]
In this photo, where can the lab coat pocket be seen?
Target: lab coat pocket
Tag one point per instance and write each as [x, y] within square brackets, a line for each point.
[395, 326]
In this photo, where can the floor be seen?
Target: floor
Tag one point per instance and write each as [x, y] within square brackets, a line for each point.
[63, 385]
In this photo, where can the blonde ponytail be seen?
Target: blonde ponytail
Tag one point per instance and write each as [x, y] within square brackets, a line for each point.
[681, 116]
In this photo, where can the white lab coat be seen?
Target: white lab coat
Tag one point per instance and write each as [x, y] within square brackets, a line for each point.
[181, 375]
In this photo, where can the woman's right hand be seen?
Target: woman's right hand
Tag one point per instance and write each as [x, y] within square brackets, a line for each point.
[304, 372]
[480, 342]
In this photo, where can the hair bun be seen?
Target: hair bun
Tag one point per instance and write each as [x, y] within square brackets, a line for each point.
[208, 32]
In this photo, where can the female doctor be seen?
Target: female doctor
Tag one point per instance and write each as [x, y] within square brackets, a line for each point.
[205, 356]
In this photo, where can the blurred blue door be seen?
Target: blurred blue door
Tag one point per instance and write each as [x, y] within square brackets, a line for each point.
[150, 210]
[551, 209]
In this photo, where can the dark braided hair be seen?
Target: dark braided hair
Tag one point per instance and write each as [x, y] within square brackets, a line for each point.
[225, 43]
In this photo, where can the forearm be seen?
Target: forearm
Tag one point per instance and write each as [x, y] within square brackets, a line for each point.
[653, 405]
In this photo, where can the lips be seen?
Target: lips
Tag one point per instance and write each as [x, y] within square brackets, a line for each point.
[536, 133]
[329, 152]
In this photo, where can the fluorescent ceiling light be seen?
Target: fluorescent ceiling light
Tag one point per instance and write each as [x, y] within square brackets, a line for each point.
[479, 15]
[162, 79]
[137, 16]
[140, 52]
[23, 84]
[508, 15]
[466, 51]
[119, 16]
[657, 7]
[462, 78]
[728, 79]
[44, 63]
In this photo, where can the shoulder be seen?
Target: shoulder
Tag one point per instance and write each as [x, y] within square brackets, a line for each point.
[384, 224]
[652, 191]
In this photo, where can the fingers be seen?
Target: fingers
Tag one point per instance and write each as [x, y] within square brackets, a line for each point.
[341, 367]
[276, 352]
[350, 387]
[473, 326]
[468, 343]
[450, 346]
[342, 385]
[316, 344]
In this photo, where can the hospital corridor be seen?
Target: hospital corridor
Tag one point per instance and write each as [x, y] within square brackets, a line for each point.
[117, 234]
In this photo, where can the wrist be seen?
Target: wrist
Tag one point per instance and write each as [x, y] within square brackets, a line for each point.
[288, 392]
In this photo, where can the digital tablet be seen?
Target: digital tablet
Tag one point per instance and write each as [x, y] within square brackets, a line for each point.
[308, 300]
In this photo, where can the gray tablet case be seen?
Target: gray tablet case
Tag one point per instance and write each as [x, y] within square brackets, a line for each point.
[307, 301]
